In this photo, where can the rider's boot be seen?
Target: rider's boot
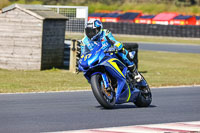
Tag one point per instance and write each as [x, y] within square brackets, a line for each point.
[135, 73]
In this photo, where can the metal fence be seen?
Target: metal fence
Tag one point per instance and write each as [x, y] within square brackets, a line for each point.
[77, 15]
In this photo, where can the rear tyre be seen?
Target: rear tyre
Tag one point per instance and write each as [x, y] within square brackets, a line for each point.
[144, 98]
[104, 97]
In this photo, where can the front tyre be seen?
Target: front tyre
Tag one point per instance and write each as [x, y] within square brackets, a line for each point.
[104, 97]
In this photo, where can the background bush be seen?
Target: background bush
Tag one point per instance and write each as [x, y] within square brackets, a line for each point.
[4, 3]
[188, 7]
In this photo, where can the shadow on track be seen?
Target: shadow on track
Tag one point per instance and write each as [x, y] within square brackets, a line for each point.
[143, 71]
[125, 106]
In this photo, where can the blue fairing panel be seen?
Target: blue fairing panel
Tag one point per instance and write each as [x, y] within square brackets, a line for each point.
[113, 65]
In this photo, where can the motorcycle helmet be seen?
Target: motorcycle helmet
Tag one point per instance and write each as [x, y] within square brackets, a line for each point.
[93, 29]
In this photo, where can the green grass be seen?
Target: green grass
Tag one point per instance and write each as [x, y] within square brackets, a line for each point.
[170, 69]
[40, 81]
[159, 68]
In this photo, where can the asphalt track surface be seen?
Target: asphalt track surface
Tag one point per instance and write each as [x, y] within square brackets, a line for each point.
[179, 48]
[62, 111]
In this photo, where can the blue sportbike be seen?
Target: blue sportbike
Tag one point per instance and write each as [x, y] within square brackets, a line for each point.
[111, 81]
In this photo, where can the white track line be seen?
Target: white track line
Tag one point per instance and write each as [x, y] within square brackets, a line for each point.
[179, 127]
[88, 90]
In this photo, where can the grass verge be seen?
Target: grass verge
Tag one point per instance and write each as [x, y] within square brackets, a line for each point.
[159, 68]
[12, 81]
[170, 69]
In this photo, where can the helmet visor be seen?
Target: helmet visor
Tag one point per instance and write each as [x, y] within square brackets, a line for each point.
[90, 32]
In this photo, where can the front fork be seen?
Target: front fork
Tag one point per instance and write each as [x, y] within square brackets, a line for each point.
[105, 80]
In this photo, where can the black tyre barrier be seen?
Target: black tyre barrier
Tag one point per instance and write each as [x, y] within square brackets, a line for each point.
[153, 29]
[132, 47]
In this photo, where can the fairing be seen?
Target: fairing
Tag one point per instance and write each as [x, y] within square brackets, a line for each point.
[97, 62]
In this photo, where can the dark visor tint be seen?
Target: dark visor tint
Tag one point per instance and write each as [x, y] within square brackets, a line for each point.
[90, 32]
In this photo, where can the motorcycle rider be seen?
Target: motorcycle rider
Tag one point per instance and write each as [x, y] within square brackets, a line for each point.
[95, 33]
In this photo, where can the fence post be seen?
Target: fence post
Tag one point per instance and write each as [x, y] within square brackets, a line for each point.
[73, 52]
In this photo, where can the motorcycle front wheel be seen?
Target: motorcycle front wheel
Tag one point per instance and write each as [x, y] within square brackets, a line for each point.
[105, 97]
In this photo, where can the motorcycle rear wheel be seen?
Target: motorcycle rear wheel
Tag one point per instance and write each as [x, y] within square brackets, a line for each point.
[105, 98]
[144, 98]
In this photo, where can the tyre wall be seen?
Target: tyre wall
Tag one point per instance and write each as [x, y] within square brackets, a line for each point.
[153, 29]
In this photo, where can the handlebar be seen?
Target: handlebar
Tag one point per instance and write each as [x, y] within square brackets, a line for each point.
[111, 50]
